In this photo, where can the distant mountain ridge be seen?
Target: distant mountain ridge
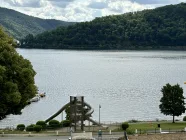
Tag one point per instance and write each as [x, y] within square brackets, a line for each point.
[19, 25]
[160, 28]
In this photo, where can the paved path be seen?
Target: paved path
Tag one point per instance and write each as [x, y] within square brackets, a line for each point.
[47, 137]
[34, 138]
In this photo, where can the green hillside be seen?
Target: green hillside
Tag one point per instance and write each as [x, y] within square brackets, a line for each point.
[160, 28]
[19, 25]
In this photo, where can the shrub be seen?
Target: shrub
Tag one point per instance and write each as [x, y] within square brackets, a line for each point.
[20, 127]
[37, 128]
[41, 123]
[157, 119]
[124, 125]
[54, 123]
[65, 123]
[184, 118]
[133, 121]
[130, 131]
[30, 127]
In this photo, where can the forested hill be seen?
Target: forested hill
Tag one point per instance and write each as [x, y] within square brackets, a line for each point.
[160, 28]
[19, 25]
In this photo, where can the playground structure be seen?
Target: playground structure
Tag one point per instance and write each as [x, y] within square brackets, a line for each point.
[80, 111]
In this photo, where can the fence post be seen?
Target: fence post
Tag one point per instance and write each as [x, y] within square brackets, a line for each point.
[57, 133]
[160, 130]
[3, 134]
[29, 134]
[155, 130]
[136, 131]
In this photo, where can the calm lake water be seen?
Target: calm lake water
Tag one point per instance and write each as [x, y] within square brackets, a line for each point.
[126, 84]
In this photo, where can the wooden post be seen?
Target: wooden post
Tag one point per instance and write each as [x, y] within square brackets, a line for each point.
[82, 113]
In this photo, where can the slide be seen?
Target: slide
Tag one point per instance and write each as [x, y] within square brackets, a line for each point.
[88, 114]
[57, 113]
[91, 110]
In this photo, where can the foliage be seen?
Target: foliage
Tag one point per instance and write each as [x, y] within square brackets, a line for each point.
[19, 25]
[16, 78]
[172, 102]
[133, 121]
[37, 128]
[30, 127]
[184, 118]
[67, 111]
[41, 123]
[148, 29]
[54, 123]
[20, 127]
[124, 125]
[65, 123]
[130, 131]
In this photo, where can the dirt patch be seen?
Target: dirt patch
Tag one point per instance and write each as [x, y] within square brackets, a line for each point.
[176, 136]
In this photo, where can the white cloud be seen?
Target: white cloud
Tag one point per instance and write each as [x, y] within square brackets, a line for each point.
[123, 6]
[81, 10]
[25, 3]
[60, 3]
[98, 5]
[158, 2]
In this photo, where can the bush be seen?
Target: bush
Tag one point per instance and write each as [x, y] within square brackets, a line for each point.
[124, 125]
[20, 127]
[130, 131]
[41, 123]
[54, 123]
[133, 121]
[65, 123]
[30, 127]
[184, 118]
[37, 128]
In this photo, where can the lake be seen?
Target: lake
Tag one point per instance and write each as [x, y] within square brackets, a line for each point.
[127, 84]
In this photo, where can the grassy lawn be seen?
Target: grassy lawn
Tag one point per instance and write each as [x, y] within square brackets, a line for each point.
[152, 125]
[142, 127]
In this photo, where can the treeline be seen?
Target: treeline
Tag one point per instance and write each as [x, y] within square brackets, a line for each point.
[19, 25]
[160, 28]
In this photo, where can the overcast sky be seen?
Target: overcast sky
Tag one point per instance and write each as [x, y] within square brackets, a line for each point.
[81, 10]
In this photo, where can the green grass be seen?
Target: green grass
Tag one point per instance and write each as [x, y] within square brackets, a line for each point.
[33, 132]
[142, 127]
[154, 125]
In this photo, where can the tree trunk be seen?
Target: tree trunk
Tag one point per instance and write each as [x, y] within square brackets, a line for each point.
[173, 120]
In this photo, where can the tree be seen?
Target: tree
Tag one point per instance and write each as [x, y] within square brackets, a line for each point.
[148, 29]
[125, 125]
[172, 102]
[17, 84]
[67, 111]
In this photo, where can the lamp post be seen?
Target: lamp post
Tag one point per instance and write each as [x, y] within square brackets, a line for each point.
[99, 113]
